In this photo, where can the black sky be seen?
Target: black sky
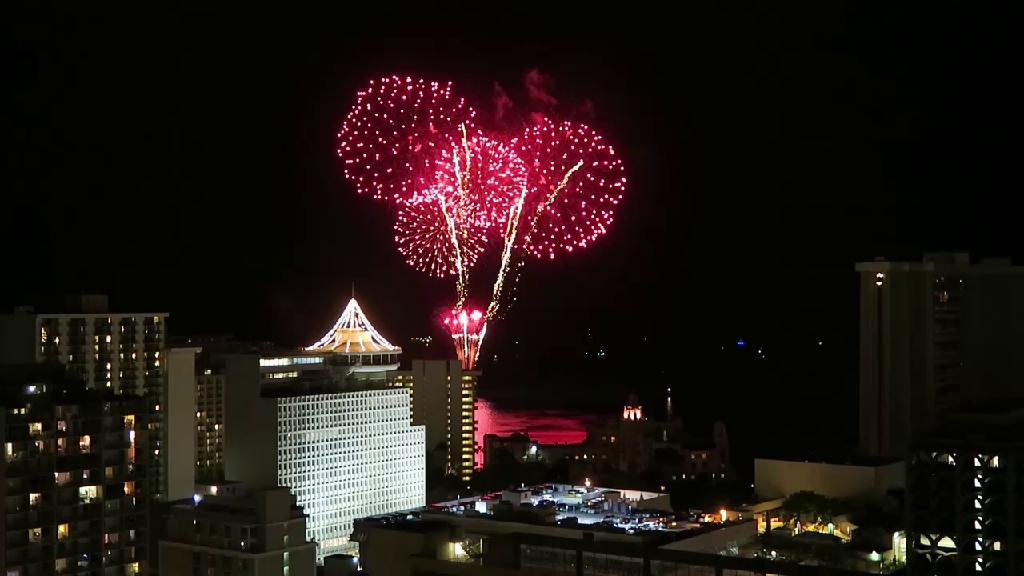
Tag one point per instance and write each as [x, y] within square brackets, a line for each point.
[183, 160]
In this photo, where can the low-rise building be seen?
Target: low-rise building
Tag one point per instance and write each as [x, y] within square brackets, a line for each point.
[854, 478]
[467, 545]
[262, 532]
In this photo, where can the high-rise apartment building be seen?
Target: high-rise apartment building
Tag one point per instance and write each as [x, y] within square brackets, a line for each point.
[125, 353]
[935, 336]
[261, 532]
[74, 478]
[326, 425]
[120, 352]
[443, 401]
[210, 425]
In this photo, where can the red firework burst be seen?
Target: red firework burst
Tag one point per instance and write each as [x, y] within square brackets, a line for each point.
[475, 183]
[423, 234]
[576, 180]
[392, 135]
[485, 174]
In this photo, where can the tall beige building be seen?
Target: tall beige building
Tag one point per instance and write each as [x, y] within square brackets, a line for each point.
[443, 400]
[263, 532]
[935, 336]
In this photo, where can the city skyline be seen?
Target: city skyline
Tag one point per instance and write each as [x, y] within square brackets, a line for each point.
[693, 291]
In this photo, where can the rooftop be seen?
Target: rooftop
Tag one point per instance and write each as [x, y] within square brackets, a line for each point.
[353, 334]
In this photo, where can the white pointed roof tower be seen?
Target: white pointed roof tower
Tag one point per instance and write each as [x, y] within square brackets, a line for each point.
[353, 334]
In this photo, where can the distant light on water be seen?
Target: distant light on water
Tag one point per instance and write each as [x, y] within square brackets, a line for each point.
[543, 426]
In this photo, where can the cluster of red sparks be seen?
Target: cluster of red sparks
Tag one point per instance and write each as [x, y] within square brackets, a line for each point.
[467, 329]
[547, 189]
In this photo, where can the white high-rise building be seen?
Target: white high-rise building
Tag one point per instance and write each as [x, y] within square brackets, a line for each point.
[323, 422]
[347, 456]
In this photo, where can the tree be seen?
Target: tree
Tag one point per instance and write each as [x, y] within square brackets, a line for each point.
[807, 503]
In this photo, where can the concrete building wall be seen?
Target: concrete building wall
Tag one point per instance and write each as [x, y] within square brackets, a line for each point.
[430, 399]
[175, 559]
[993, 328]
[250, 424]
[780, 478]
[390, 551]
[935, 336]
[488, 527]
[896, 375]
[180, 423]
[19, 337]
[717, 540]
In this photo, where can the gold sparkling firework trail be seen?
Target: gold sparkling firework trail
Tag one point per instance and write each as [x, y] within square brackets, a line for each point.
[461, 279]
[515, 213]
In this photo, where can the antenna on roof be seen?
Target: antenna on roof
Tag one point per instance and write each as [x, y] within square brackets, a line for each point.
[353, 289]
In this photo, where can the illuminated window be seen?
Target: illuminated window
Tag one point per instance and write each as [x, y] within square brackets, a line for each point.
[35, 428]
[35, 535]
[282, 375]
[129, 422]
[35, 498]
[9, 450]
[62, 531]
[85, 443]
[88, 494]
[129, 487]
[62, 478]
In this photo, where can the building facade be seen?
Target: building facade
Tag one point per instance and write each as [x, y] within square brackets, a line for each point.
[444, 402]
[257, 534]
[328, 426]
[637, 444]
[74, 479]
[349, 455]
[964, 497]
[935, 336]
[210, 426]
[125, 353]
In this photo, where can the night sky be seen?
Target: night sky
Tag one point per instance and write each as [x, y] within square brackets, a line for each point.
[185, 161]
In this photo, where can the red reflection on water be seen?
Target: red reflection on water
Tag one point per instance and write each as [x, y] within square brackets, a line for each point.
[543, 426]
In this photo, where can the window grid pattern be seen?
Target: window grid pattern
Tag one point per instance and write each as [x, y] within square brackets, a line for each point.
[347, 456]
